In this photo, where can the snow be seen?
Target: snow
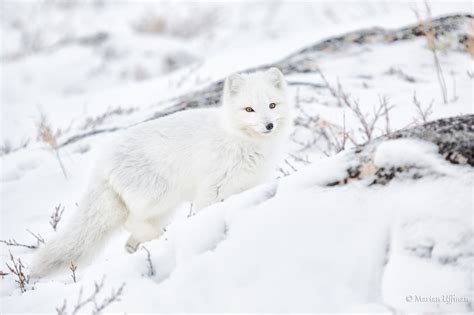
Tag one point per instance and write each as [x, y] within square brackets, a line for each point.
[293, 244]
[251, 255]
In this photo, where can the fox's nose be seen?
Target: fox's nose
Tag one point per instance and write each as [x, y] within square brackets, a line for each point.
[269, 126]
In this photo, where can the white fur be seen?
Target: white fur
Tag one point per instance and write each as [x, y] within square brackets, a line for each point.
[201, 155]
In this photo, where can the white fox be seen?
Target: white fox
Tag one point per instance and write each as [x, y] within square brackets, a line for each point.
[199, 155]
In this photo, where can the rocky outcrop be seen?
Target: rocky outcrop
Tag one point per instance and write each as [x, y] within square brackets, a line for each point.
[453, 136]
[306, 59]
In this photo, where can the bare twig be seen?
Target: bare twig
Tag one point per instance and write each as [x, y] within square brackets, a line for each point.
[46, 135]
[17, 269]
[402, 75]
[283, 172]
[13, 242]
[62, 309]
[305, 83]
[56, 216]
[39, 239]
[470, 39]
[94, 122]
[455, 97]
[92, 299]
[367, 123]
[3, 274]
[340, 145]
[345, 135]
[290, 165]
[305, 121]
[430, 34]
[151, 269]
[332, 90]
[73, 269]
[114, 296]
[422, 114]
[304, 161]
[190, 213]
[383, 101]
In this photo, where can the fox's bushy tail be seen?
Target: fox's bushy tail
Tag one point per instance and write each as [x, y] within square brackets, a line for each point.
[99, 213]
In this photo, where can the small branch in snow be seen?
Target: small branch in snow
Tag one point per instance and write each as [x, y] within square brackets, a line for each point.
[56, 216]
[283, 172]
[73, 269]
[455, 96]
[13, 242]
[286, 172]
[92, 299]
[114, 296]
[151, 269]
[321, 129]
[430, 34]
[304, 161]
[402, 75]
[340, 145]
[17, 268]
[422, 114]
[49, 137]
[383, 101]
[332, 90]
[3, 274]
[39, 239]
[62, 310]
[305, 83]
[291, 166]
[366, 121]
[91, 123]
[191, 213]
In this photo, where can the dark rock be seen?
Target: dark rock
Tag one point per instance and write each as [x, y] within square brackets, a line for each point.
[453, 136]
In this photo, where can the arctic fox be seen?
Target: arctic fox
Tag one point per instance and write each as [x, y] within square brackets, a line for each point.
[199, 155]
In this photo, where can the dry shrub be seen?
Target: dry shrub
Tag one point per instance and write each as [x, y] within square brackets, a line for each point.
[184, 20]
[73, 269]
[14, 242]
[49, 137]
[426, 25]
[92, 299]
[367, 122]
[151, 268]
[17, 269]
[470, 39]
[94, 122]
[422, 113]
[56, 216]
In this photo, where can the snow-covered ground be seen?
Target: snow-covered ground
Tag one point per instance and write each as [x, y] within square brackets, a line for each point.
[290, 245]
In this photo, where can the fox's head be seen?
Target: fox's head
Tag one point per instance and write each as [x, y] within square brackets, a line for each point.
[255, 105]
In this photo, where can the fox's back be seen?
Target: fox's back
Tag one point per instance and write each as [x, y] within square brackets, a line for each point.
[166, 149]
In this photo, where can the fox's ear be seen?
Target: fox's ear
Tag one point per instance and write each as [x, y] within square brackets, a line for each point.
[275, 77]
[234, 83]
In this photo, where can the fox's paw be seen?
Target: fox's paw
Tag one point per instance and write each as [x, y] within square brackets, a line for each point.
[132, 245]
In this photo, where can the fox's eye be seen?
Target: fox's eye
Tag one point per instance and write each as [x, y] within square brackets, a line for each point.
[272, 105]
[249, 109]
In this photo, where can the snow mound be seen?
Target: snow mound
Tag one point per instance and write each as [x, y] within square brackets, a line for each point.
[289, 246]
